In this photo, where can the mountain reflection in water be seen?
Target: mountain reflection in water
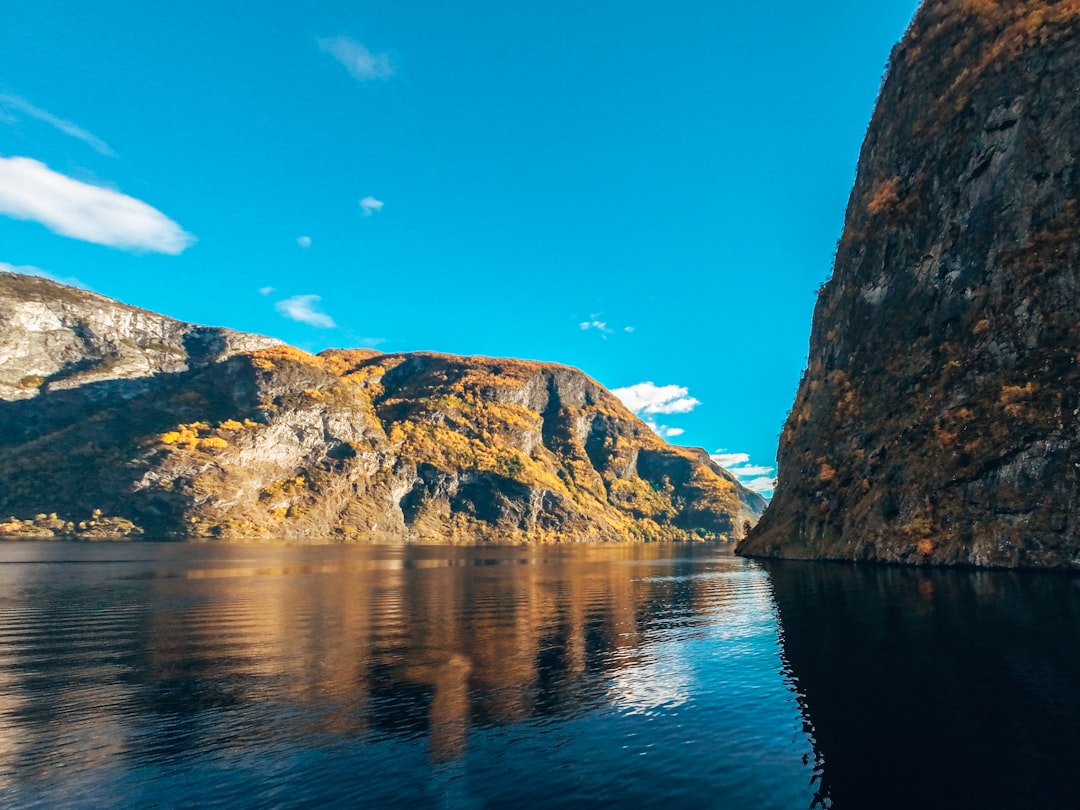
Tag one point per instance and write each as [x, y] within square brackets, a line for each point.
[936, 688]
[201, 675]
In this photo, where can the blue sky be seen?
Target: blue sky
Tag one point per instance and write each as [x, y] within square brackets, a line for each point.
[649, 191]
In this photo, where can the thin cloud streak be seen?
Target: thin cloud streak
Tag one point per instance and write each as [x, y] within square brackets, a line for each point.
[750, 470]
[30, 270]
[19, 104]
[30, 190]
[362, 64]
[305, 309]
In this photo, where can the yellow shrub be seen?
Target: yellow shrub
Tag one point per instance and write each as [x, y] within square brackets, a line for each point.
[886, 197]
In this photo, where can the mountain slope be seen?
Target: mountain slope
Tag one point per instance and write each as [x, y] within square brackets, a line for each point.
[108, 408]
[937, 421]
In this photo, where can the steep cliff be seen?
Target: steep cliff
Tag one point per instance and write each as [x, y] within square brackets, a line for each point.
[937, 421]
[179, 431]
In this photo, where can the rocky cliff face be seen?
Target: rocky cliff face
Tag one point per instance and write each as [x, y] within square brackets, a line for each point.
[938, 419]
[54, 337]
[188, 431]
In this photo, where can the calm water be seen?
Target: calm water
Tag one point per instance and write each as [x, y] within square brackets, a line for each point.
[258, 676]
[196, 675]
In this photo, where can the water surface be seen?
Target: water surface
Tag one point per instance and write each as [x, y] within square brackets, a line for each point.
[142, 675]
[936, 688]
[139, 675]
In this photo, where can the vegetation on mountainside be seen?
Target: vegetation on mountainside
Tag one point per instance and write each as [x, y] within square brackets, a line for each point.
[48, 527]
[280, 442]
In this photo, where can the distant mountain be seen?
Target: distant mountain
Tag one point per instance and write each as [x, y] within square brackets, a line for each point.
[114, 420]
[938, 421]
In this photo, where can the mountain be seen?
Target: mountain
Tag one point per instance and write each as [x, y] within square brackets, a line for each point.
[938, 419]
[117, 421]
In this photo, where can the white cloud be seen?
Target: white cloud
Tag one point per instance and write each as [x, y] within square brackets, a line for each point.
[665, 432]
[361, 63]
[628, 329]
[599, 326]
[305, 309]
[31, 190]
[304, 241]
[30, 270]
[752, 476]
[647, 397]
[729, 460]
[369, 205]
[750, 470]
[18, 104]
[762, 486]
[265, 290]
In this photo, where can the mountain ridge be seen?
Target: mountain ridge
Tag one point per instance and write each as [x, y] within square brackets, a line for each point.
[188, 431]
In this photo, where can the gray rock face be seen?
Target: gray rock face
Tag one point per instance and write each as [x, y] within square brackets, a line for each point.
[54, 337]
[937, 421]
[188, 431]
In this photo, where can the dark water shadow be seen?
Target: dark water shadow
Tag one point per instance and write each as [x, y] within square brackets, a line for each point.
[936, 688]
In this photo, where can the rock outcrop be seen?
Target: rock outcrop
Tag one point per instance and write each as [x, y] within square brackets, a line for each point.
[188, 431]
[55, 337]
[937, 422]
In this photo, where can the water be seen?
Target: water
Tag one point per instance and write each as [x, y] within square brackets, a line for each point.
[175, 675]
[937, 688]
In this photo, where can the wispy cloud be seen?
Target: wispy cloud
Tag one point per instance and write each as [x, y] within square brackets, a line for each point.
[30, 270]
[265, 290]
[650, 398]
[750, 470]
[361, 63]
[665, 432]
[304, 241]
[728, 460]
[594, 324]
[599, 326]
[369, 205]
[13, 103]
[31, 190]
[305, 309]
[756, 477]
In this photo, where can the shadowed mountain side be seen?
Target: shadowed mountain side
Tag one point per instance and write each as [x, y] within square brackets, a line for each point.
[932, 688]
[937, 420]
[351, 445]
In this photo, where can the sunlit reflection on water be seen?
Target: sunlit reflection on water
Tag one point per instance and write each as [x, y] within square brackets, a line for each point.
[140, 675]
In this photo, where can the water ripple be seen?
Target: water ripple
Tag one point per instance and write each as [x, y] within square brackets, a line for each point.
[428, 677]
